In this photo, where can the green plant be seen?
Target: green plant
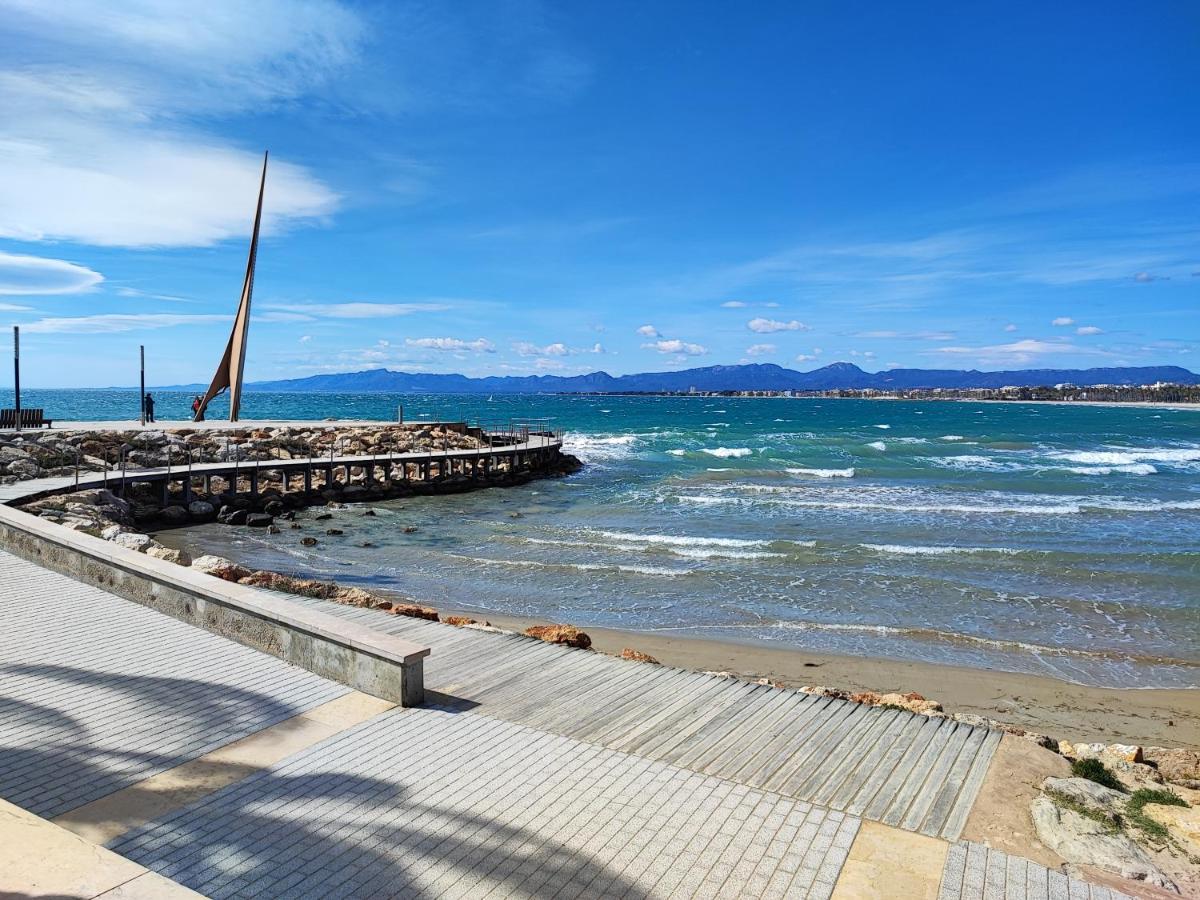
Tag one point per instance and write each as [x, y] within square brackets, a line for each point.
[1110, 824]
[1135, 812]
[1094, 770]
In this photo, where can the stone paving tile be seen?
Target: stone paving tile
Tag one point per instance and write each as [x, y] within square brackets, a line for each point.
[97, 692]
[977, 872]
[421, 802]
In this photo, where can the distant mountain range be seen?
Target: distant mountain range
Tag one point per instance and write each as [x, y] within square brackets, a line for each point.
[754, 377]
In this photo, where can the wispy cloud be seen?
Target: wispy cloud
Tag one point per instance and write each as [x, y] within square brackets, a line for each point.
[761, 349]
[35, 275]
[648, 331]
[1020, 352]
[116, 322]
[907, 335]
[1088, 330]
[1063, 320]
[310, 311]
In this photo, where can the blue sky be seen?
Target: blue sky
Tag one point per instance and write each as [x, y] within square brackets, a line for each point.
[514, 187]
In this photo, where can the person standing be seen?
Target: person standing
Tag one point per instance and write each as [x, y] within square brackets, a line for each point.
[149, 401]
[197, 416]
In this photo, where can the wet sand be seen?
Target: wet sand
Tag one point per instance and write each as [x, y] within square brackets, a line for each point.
[1064, 711]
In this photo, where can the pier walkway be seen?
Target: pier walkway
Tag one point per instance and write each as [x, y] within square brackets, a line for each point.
[534, 771]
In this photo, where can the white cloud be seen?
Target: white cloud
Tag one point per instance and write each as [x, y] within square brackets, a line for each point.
[1146, 278]
[305, 338]
[93, 145]
[116, 322]
[549, 365]
[761, 349]
[1022, 351]
[1088, 330]
[1010, 327]
[479, 345]
[309, 311]
[648, 331]
[768, 326]
[13, 307]
[29, 275]
[1063, 320]
[909, 335]
[676, 346]
[804, 357]
[528, 348]
[734, 304]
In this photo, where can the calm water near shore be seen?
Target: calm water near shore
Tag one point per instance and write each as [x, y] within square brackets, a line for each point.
[1046, 539]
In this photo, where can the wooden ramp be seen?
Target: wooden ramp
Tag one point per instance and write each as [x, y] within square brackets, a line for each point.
[894, 767]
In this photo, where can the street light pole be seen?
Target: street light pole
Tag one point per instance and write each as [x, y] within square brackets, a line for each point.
[17, 372]
[142, 357]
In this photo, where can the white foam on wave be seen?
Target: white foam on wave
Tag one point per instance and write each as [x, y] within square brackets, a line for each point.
[952, 437]
[675, 540]
[727, 452]
[969, 462]
[822, 473]
[1124, 469]
[878, 445]
[678, 451]
[1127, 455]
[885, 427]
[591, 447]
[907, 550]
[658, 571]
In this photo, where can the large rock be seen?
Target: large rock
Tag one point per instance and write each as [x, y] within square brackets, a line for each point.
[230, 515]
[259, 520]
[1087, 793]
[201, 509]
[1183, 822]
[133, 541]
[220, 567]
[175, 515]
[638, 656]
[415, 611]
[1084, 841]
[170, 554]
[1178, 766]
[560, 634]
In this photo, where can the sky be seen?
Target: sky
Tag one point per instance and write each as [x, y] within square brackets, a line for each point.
[523, 187]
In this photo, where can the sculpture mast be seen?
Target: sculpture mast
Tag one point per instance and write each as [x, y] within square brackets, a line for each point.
[233, 363]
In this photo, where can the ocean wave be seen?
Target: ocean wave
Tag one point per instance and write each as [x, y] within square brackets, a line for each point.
[1124, 469]
[1128, 455]
[907, 550]
[822, 473]
[673, 540]
[684, 551]
[678, 451]
[885, 427]
[658, 571]
[1066, 506]
[969, 462]
[592, 447]
[952, 437]
[727, 452]
[878, 445]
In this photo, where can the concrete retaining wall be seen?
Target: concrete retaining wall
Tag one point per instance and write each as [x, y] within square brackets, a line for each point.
[378, 664]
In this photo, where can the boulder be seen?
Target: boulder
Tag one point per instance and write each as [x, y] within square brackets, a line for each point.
[220, 567]
[110, 532]
[201, 509]
[230, 515]
[912, 702]
[459, 620]
[560, 634]
[258, 520]
[1178, 766]
[273, 508]
[308, 541]
[1087, 793]
[333, 531]
[1182, 821]
[25, 468]
[638, 656]
[175, 515]
[133, 541]
[1084, 841]
[170, 554]
[353, 596]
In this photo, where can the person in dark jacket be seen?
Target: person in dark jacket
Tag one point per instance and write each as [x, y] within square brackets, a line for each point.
[149, 401]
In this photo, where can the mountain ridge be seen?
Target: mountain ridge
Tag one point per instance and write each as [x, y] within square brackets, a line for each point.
[745, 377]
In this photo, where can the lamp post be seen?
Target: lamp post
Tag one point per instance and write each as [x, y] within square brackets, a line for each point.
[17, 373]
[142, 358]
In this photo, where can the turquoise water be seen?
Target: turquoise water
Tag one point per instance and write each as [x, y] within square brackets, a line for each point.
[1040, 538]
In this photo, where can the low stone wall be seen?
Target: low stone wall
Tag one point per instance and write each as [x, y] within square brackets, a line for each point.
[375, 663]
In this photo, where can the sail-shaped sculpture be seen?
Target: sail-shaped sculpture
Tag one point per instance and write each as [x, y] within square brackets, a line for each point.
[233, 363]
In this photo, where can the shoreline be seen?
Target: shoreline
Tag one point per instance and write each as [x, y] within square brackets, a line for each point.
[1040, 703]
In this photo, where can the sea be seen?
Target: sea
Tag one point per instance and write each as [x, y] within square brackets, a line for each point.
[1053, 539]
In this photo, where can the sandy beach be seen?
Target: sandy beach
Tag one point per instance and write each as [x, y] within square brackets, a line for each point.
[1150, 717]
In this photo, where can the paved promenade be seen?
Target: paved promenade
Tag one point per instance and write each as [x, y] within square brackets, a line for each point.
[536, 771]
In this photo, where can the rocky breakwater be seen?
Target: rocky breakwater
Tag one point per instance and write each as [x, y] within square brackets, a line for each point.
[41, 454]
